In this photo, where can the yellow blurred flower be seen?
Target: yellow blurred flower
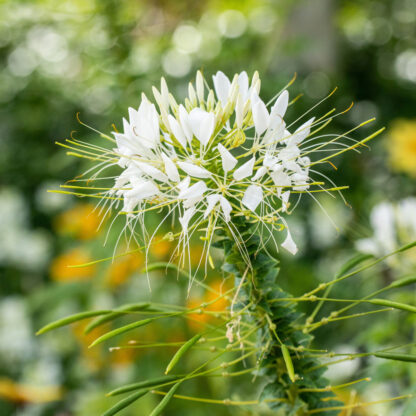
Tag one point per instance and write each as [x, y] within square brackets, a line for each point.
[93, 357]
[81, 221]
[402, 146]
[59, 270]
[122, 268]
[162, 249]
[21, 393]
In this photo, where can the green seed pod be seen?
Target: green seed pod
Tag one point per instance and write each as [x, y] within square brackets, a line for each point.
[405, 281]
[289, 363]
[396, 356]
[125, 402]
[142, 384]
[121, 330]
[395, 305]
[111, 316]
[159, 408]
[71, 319]
[181, 351]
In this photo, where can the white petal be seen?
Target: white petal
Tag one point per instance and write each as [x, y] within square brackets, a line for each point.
[285, 199]
[239, 111]
[212, 201]
[226, 208]
[289, 244]
[177, 130]
[245, 170]
[243, 85]
[222, 87]
[170, 169]
[259, 174]
[143, 190]
[261, 116]
[202, 124]
[302, 132]
[252, 197]
[186, 217]
[269, 160]
[194, 191]
[194, 170]
[184, 119]
[147, 124]
[183, 185]
[228, 160]
[152, 171]
[280, 106]
[200, 86]
[281, 180]
[164, 92]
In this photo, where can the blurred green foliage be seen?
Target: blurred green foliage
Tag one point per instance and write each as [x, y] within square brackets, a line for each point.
[96, 58]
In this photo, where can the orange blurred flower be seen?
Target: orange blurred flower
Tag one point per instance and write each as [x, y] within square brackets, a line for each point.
[122, 268]
[402, 146]
[59, 270]
[216, 303]
[81, 221]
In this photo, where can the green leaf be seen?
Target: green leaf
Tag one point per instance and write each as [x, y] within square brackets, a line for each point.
[125, 402]
[141, 384]
[181, 351]
[71, 319]
[391, 304]
[163, 403]
[121, 330]
[122, 311]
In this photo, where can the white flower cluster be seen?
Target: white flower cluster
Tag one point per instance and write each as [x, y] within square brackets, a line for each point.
[393, 225]
[219, 154]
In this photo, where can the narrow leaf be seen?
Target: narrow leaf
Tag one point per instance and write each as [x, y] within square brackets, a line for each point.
[70, 319]
[181, 351]
[141, 384]
[111, 316]
[396, 356]
[407, 246]
[121, 330]
[289, 363]
[125, 402]
[163, 403]
[350, 264]
[395, 305]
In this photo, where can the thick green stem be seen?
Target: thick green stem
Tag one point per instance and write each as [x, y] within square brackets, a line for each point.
[281, 359]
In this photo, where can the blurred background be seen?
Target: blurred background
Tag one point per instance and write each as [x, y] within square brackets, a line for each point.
[96, 57]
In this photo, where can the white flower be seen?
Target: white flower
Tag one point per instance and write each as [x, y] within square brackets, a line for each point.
[210, 162]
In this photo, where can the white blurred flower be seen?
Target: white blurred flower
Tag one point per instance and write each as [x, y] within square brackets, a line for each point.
[23, 248]
[393, 224]
[16, 342]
